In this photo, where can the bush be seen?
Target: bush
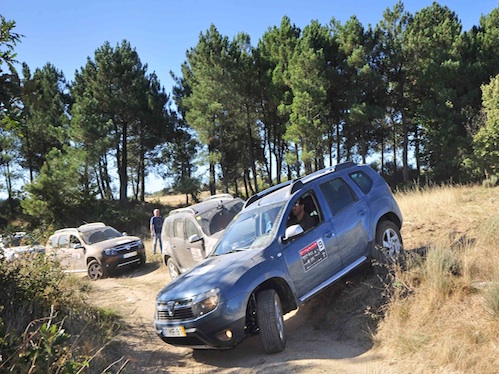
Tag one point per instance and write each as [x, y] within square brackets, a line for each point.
[490, 182]
[45, 325]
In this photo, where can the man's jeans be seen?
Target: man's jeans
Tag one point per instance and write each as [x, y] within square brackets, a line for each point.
[156, 239]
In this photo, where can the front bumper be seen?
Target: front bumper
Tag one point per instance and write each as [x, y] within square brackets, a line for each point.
[112, 263]
[222, 328]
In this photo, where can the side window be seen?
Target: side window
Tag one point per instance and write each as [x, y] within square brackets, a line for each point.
[168, 228]
[63, 241]
[362, 180]
[305, 212]
[337, 194]
[190, 228]
[178, 228]
[53, 242]
[74, 241]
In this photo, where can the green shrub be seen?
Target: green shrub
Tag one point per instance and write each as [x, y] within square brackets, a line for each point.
[33, 288]
[490, 182]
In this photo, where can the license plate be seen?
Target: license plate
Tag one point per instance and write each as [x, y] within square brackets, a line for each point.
[174, 331]
[130, 254]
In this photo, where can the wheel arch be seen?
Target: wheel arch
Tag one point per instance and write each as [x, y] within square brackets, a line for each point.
[166, 256]
[389, 216]
[89, 259]
[283, 290]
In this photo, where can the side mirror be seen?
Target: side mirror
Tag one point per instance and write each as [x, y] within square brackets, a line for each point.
[194, 238]
[292, 232]
[124, 233]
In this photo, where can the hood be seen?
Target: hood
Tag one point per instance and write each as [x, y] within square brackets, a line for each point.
[114, 242]
[210, 241]
[210, 274]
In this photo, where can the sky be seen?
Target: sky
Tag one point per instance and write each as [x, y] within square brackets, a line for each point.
[67, 32]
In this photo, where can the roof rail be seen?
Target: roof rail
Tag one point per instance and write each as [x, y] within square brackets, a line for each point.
[181, 210]
[268, 191]
[299, 183]
[219, 196]
[330, 169]
[92, 224]
[345, 165]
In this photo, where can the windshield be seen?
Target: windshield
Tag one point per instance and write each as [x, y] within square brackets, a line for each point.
[251, 229]
[217, 219]
[100, 234]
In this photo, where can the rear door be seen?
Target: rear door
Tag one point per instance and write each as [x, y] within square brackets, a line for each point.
[62, 251]
[349, 219]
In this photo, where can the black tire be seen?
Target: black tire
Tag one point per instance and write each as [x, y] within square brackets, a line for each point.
[95, 270]
[172, 269]
[389, 247]
[270, 321]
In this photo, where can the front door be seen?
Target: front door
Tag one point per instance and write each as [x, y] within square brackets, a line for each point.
[313, 257]
[197, 248]
[180, 245]
[76, 253]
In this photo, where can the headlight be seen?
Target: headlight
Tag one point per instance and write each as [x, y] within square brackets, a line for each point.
[110, 252]
[205, 302]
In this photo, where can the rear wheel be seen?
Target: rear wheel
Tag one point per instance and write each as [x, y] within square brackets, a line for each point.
[95, 270]
[388, 247]
[270, 321]
[172, 268]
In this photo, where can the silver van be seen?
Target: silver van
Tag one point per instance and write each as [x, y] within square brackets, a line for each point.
[189, 234]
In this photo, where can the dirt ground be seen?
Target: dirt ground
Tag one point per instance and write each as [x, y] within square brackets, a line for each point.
[319, 340]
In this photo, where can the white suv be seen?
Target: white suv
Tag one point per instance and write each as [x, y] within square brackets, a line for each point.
[95, 248]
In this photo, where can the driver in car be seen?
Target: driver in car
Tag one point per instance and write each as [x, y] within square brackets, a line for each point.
[300, 216]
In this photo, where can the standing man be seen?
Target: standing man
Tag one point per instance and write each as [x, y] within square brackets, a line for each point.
[156, 224]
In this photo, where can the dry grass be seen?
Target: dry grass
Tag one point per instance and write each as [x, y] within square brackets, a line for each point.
[450, 320]
[174, 201]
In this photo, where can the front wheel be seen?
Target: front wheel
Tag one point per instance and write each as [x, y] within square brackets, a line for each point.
[172, 268]
[95, 270]
[270, 321]
[388, 247]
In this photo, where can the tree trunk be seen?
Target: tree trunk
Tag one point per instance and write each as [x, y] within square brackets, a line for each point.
[405, 148]
[122, 166]
[213, 188]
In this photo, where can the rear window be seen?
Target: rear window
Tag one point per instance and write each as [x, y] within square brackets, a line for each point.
[337, 194]
[362, 180]
[217, 219]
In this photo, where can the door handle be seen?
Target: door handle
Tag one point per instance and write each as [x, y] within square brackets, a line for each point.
[361, 212]
[329, 235]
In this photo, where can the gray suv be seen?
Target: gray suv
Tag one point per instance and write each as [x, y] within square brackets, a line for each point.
[267, 264]
[189, 234]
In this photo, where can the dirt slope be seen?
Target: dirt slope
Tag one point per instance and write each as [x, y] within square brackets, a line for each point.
[328, 335]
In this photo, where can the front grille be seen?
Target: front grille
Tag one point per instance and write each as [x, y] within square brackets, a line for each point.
[175, 311]
[128, 247]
